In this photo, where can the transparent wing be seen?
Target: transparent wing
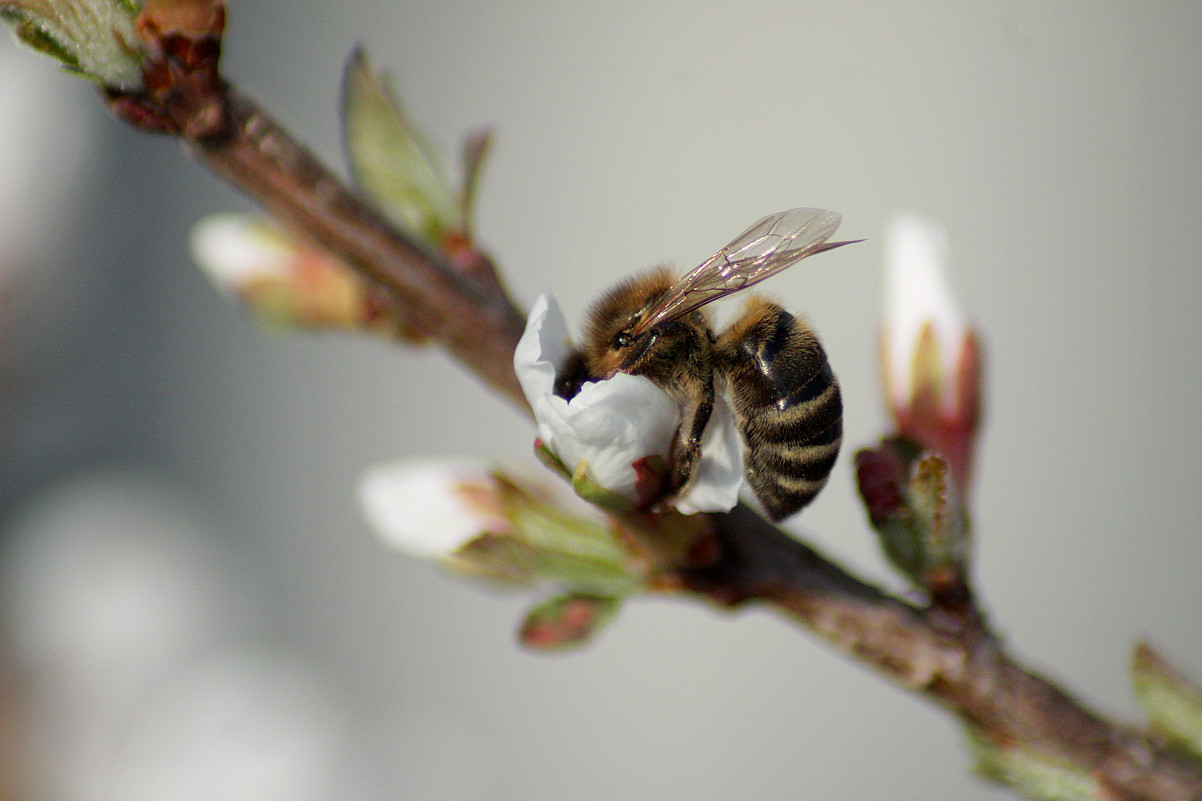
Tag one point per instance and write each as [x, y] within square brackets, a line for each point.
[770, 245]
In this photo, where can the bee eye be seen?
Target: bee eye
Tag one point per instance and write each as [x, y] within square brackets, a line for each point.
[623, 340]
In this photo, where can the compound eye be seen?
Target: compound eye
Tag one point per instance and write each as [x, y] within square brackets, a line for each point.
[623, 340]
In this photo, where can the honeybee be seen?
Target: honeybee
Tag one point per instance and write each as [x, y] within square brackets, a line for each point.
[770, 364]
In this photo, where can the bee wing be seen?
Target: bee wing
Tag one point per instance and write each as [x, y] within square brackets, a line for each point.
[770, 245]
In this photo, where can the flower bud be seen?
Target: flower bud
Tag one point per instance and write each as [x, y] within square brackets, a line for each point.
[476, 519]
[280, 281]
[930, 356]
[919, 520]
[567, 621]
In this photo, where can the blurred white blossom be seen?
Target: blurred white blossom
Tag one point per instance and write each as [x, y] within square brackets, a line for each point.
[130, 631]
[281, 280]
[236, 250]
[431, 509]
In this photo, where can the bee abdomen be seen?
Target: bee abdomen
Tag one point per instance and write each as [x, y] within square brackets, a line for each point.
[787, 405]
[787, 462]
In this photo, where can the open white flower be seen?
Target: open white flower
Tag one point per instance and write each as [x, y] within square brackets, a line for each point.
[610, 425]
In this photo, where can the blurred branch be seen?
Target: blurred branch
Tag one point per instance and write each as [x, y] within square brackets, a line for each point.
[467, 311]
[944, 651]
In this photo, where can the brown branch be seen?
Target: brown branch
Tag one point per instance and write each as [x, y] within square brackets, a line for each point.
[956, 662]
[468, 314]
[466, 310]
[948, 656]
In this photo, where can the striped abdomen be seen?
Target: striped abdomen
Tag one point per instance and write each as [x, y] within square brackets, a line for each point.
[786, 403]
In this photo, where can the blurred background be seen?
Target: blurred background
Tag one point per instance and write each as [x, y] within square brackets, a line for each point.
[192, 605]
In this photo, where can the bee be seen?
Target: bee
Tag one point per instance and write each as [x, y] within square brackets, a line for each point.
[769, 362]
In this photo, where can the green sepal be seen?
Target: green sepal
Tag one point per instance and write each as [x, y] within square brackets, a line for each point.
[551, 460]
[1173, 702]
[1031, 773]
[941, 520]
[587, 488]
[564, 622]
[550, 545]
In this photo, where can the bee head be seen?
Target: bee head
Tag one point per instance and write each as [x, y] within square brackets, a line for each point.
[610, 345]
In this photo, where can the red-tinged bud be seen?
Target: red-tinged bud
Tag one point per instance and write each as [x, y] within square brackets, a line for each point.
[566, 621]
[931, 357]
[913, 506]
[881, 473]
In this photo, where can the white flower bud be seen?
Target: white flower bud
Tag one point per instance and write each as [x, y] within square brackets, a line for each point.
[235, 250]
[917, 294]
[432, 509]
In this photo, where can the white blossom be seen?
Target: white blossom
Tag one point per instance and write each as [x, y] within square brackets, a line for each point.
[612, 424]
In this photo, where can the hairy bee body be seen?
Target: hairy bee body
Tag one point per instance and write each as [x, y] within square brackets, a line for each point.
[768, 362]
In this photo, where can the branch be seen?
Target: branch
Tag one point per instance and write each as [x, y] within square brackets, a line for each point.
[467, 311]
[956, 661]
[945, 652]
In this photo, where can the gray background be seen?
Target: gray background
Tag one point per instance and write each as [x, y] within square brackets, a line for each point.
[1059, 145]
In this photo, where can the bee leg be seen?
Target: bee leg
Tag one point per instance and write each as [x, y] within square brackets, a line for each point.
[686, 452]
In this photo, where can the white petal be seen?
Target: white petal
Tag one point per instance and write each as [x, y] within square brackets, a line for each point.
[611, 425]
[421, 507]
[917, 292]
[544, 345]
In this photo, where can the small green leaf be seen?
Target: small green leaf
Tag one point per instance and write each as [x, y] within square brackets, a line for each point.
[1173, 702]
[95, 38]
[391, 160]
[566, 621]
[1031, 773]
